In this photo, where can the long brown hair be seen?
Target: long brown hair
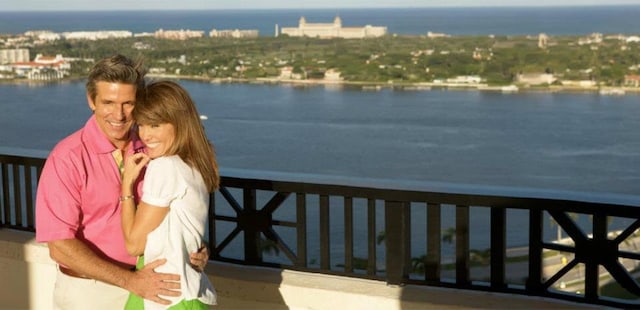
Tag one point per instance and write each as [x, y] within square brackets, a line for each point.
[168, 102]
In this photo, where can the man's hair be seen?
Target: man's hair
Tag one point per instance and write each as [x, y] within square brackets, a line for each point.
[117, 69]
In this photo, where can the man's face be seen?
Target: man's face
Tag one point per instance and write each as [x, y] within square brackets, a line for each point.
[112, 106]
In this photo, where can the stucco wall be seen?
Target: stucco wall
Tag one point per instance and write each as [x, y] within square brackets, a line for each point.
[27, 276]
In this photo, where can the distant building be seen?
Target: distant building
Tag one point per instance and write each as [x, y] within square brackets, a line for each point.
[178, 34]
[543, 40]
[43, 68]
[332, 75]
[535, 78]
[579, 83]
[8, 56]
[634, 39]
[235, 33]
[465, 79]
[632, 80]
[433, 35]
[594, 38]
[44, 35]
[333, 30]
[97, 35]
[286, 72]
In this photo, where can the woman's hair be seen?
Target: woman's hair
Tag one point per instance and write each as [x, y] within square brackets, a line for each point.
[168, 102]
[117, 69]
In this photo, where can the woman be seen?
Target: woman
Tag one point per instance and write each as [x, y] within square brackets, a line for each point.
[170, 218]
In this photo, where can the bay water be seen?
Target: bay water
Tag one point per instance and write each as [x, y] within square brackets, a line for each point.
[555, 144]
[549, 141]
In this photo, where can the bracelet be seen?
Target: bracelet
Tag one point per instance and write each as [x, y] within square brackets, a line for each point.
[123, 198]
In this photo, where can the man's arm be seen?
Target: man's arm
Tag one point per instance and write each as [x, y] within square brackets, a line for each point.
[145, 283]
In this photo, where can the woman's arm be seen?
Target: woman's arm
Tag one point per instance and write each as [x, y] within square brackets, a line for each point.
[137, 224]
[137, 221]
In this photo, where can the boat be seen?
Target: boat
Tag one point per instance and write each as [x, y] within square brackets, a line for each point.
[371, 87]
[612, 91]
[509, 89]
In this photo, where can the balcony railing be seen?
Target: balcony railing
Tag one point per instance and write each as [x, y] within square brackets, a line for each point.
[464, 237]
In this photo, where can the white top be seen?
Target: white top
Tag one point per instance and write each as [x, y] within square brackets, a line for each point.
[170, 182]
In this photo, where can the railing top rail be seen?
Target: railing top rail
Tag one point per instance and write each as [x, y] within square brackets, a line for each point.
[455, 194]
[414, 191]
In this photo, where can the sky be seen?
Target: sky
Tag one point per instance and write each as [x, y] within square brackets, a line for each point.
[84, 5]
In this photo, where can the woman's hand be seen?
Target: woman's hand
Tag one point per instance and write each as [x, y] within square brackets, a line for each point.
[133, 164]
[199, 259]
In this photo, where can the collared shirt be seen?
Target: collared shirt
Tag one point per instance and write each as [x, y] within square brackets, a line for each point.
[78, 193]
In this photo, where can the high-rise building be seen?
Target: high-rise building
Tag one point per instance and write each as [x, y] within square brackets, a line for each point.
[333, 30]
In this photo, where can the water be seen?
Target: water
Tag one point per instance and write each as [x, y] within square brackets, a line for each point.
[455, 21]
[569, 142]
[547, 141]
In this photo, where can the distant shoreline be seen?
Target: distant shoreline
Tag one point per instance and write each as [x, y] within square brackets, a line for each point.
[420, 86]
[372, 86]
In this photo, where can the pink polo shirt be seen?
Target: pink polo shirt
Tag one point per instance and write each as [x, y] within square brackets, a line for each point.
[78, 192]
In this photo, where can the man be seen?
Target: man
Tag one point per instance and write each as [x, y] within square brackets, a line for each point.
[78, 200]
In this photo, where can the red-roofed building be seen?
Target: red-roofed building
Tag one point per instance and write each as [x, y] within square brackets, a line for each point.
[43, 68]
[632, 80]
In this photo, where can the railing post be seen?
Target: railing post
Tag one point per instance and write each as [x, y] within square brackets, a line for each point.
[434, 248]
[6, 203]
[463, 265]
[498, 247]
[535, 281]
[398, 246]
[252, 251]
[592, 267]
[301, 231]
[325, 242]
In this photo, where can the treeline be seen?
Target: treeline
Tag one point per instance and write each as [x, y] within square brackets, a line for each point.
[400, 59]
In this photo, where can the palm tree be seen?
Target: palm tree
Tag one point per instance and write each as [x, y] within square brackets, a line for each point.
[269, 246]
[449, 235]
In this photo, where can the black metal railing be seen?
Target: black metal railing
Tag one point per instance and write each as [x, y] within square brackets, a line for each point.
[19, 181]
[478, 238]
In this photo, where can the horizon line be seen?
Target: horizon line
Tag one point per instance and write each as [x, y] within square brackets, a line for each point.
[325, 8]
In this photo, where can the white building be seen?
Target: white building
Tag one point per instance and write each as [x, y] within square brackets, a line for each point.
[8, 56]
[43, 68]
[465, 79]
[43, 35]
[535, 78]
[332, 75]
[235, 33]
[333, 30]
[178, 34]
[97, 35]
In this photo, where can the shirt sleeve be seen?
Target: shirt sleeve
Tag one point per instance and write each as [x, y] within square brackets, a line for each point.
[58, 198]
[162, 182]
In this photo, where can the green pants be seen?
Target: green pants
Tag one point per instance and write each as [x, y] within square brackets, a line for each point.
[136, 302]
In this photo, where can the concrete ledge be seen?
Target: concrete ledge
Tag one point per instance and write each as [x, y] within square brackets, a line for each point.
[303, 290]
[29, 274]
[27, 271]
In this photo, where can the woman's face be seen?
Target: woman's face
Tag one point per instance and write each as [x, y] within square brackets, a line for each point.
[157, 138]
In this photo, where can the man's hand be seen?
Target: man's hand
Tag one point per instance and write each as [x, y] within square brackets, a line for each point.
[199, 259]
[150, 285]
